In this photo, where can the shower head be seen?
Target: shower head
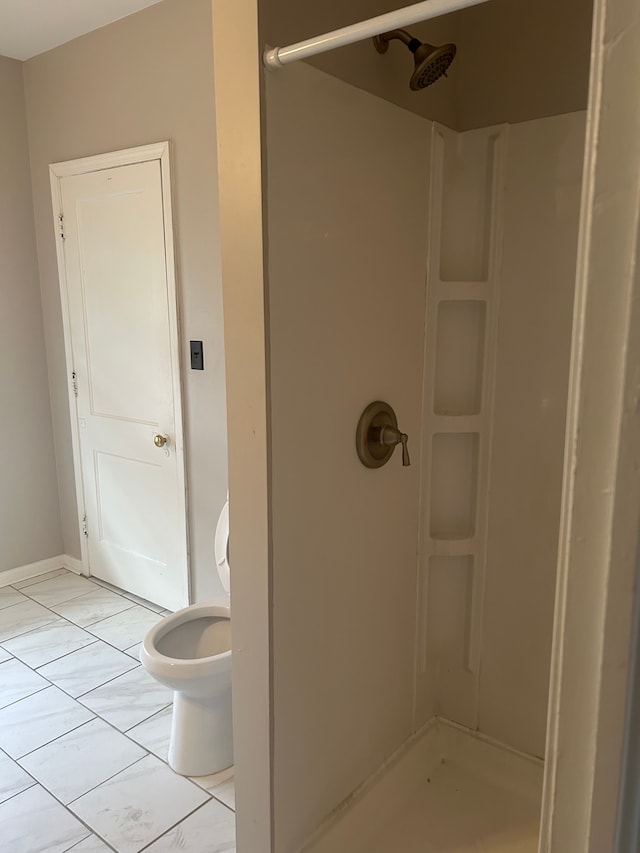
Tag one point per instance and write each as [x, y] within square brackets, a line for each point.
[431, 61]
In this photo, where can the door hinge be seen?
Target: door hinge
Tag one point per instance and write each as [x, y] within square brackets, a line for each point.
[61, 225]
[85, 528]
[74, 383]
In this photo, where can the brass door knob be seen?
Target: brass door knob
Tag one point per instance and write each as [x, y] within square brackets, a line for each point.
[160, 440]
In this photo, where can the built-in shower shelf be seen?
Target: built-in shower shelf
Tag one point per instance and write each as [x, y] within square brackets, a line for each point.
[462, 547]
[459, 377]
[461, 289]
[461, 422]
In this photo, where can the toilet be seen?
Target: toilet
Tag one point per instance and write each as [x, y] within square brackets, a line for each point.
[189, 651]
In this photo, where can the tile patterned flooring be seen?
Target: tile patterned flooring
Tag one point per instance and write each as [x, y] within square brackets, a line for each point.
[84, 731]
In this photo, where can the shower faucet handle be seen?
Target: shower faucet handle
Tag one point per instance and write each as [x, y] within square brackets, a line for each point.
[377, 435]
[390, 436]
[405, 450]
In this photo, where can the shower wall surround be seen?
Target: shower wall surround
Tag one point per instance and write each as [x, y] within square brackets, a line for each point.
[466, 213]
[347, 219]
[543, 182]
[434, 270]
[503, 240]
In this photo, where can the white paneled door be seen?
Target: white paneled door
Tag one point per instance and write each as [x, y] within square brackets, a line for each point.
[122, 354]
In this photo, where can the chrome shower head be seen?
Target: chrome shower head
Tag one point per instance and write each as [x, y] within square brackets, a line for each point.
[431, 61]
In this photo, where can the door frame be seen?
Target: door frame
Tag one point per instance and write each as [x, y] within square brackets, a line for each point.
[592, 657]
[159, 151]
[237, 67]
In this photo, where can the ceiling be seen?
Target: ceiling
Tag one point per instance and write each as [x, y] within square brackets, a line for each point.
[29, 27]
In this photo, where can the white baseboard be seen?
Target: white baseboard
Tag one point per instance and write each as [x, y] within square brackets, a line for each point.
[32, 570]
[73, 564]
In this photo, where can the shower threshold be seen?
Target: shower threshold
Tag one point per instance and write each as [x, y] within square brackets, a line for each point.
[448, 790]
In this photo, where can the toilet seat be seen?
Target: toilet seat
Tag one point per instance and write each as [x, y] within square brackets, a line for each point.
[222, 548]
[180, 669]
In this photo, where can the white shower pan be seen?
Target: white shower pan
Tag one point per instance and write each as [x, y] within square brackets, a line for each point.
[449, 790]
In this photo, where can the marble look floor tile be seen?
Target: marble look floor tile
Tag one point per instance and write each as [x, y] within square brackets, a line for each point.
[23, 617]
[33, 822]
[39, 578]
[154, 733]
[58, 589]
[4, 655]
[10, 596]
[88, 755]
[17, 682]
[126, 628]
[82, 671]
[38, 719]
[52, 641]
[212, 829]
[13, 779]
[220, 785]
[91, 844]
[134, 651]
[92, 607]
[157, 608]
[128, 699]
[138, 805]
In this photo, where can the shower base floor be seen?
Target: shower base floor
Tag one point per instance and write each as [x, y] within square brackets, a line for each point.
[447, 791]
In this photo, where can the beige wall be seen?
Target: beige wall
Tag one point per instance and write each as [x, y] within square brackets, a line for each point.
[347, 189]
[517, 59]
[143, 79]
[286, 21]
[522, 59]
[29, 517]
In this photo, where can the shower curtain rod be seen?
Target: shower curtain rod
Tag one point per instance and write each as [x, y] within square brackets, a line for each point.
[278, 56]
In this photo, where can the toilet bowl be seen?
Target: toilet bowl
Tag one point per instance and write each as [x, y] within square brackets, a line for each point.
[190, 652]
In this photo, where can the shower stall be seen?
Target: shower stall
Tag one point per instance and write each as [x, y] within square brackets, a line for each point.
[423, 255]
